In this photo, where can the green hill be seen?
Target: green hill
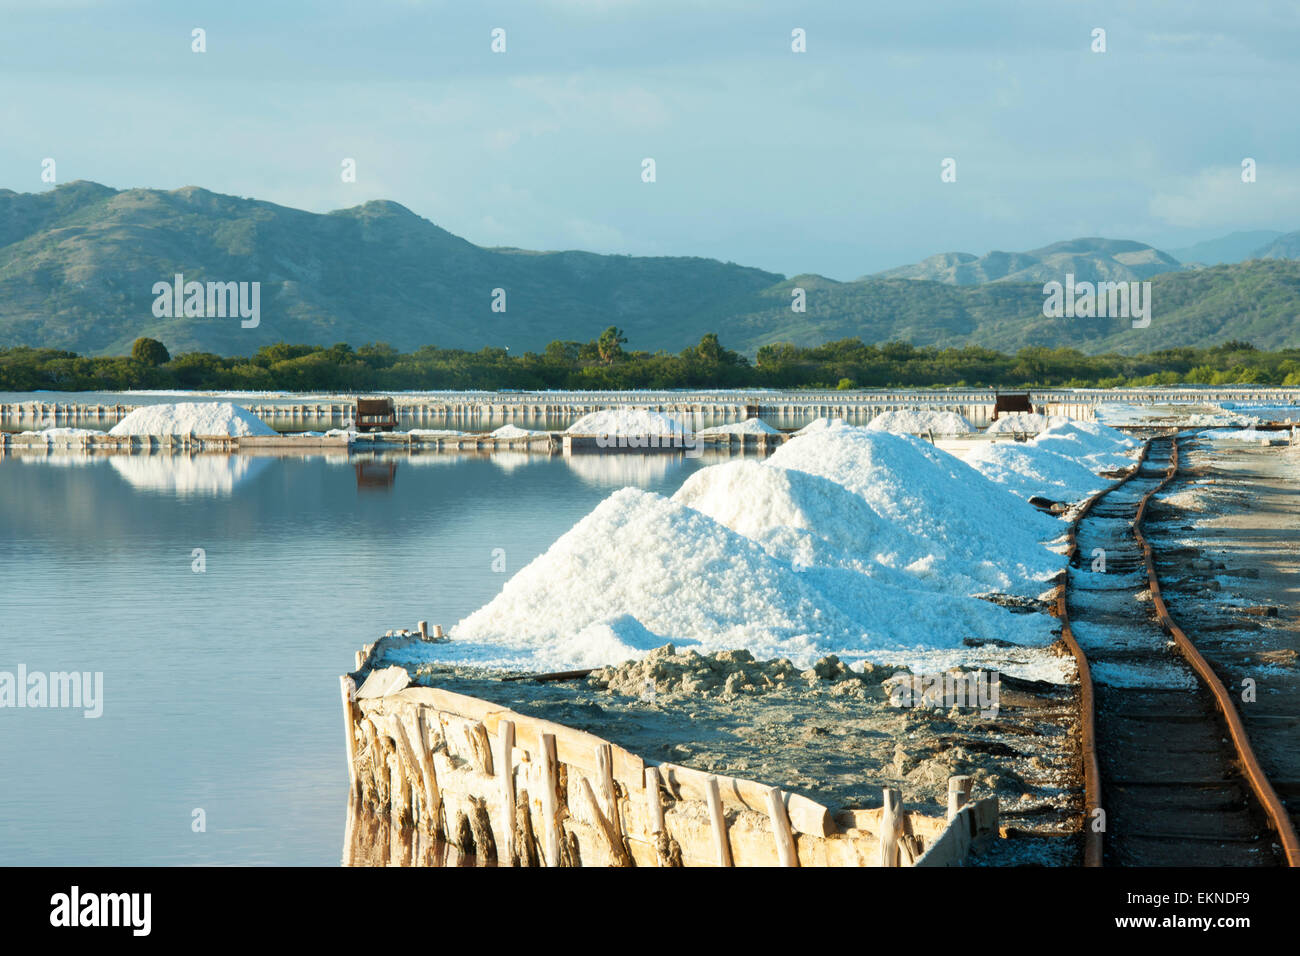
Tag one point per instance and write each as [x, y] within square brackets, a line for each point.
[78, 265]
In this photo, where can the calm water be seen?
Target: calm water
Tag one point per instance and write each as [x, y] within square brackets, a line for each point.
[220, 688]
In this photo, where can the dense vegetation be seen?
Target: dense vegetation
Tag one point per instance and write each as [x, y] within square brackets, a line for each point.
[603, 363]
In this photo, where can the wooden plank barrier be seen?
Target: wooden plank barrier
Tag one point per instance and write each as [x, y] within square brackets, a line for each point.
[500, 785]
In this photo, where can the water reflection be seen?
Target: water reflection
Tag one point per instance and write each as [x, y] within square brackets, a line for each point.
[301, 571]
[376, 839]
[184, 475]
[375, 474]
[619, 471]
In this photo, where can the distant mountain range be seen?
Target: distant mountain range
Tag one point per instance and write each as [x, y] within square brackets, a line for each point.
[1091, 260]
[1235, 247]
[78, 265]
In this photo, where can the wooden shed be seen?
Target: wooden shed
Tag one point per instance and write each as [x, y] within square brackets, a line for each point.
[1011, 402]
[376, 415]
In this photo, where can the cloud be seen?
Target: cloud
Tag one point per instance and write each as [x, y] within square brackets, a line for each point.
[1216, 196]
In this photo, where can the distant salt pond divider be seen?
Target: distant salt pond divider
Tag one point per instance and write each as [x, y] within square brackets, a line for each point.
[547, 443]
[555, 411]
[438, 778]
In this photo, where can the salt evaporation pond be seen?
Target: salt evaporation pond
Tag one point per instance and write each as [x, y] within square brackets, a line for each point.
[222, 688]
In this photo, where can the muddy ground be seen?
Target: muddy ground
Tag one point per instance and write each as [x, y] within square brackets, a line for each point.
[1227, 538]
[828, 732]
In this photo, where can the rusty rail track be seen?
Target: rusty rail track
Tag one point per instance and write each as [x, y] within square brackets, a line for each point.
[1092, 846]
[1254, 773]
[1245, 759]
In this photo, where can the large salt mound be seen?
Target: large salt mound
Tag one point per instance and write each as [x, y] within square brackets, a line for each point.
[198, 418]
[796, 516]
[1098, 447]
[626, 421]
[994, 536]
[820, 425]
[910, 421]
[642, 570]
[750, 426]
[813, 522]
[1024, 423]
[1026, 470]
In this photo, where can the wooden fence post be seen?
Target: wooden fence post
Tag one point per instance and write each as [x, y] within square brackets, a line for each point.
[506, 769]
[719, 823]
[891, 826]
[550, 809]
[959, 790]
[786, 851]
[349, 726]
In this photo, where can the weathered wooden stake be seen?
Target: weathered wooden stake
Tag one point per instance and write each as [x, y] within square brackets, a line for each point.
[416, 757]
[786, 851]
[550, 808]
[478, 740]
[605, 765]
[891, 826]
[432, 792]
[349, 726]
[617, 852]
[719, 823]
[959, 790]
[654, 802]
[424, 630]
[506, 770]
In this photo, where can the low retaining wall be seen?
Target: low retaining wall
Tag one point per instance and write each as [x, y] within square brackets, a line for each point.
[429, 767]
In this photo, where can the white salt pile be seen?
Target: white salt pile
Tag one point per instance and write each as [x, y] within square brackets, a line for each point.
[750, 426]
[63, 437]
[513, 431]
[1027, 471]
[641, 571]
[204, 419]
[820, 425]
[1024, 423]
[626, 421]
[811, 522]
[437, 433]
[1229, 434]
[1094, 445]
[851, 541]
[683, 577]
[911, 421]
[801, 518]
[996, 537]
[1062, 463]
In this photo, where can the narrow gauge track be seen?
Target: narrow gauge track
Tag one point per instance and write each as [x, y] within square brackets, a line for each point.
[1165, 755]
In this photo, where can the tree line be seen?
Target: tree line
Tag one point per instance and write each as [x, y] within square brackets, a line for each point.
[604, 363]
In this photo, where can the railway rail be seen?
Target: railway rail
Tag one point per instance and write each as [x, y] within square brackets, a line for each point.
[1170, 777]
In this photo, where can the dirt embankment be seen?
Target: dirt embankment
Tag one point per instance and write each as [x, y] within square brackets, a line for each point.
[833, 733]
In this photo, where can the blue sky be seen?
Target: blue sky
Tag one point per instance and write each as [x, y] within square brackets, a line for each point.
[826, 161]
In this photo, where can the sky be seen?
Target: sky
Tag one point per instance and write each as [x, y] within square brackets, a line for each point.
[827, 161]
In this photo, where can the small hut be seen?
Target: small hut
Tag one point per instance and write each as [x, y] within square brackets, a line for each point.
[376, 414]
[1011, 402]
